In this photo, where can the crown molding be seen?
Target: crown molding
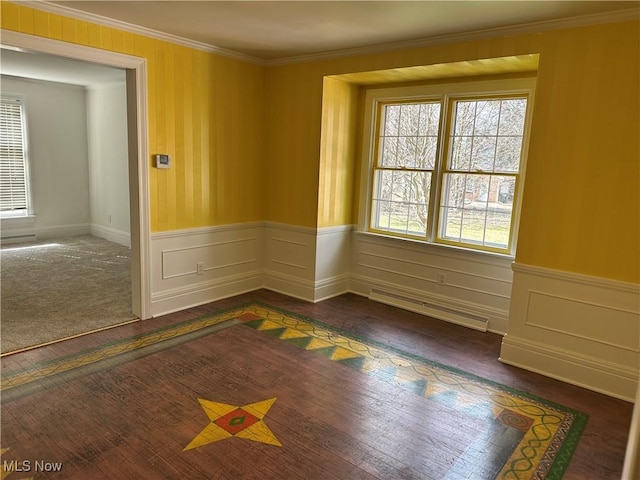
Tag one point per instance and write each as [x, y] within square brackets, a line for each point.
[513, 30]
[69, 12]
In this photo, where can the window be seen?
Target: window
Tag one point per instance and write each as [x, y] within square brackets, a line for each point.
[446, 162]
[13, 160]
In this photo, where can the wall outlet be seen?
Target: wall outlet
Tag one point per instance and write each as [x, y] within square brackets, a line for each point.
[109, 219]
[200, 268]
[442, 278]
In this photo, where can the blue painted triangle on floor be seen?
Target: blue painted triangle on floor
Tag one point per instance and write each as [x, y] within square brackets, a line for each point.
[254, 323]
[446, 398]
[417, 386]
[325, 351]
[301, 342]
[356, 363]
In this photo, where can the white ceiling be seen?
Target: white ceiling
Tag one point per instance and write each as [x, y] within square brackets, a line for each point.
[278, 31]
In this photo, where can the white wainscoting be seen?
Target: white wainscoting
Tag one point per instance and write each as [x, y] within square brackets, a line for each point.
[196, 266]
[576, 328]
[307, 263]
[450, 284]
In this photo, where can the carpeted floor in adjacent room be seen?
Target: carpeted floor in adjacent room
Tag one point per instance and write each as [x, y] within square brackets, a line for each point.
[61, 288]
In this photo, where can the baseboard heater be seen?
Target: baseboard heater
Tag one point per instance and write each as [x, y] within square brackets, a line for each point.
[18, 239]
[430, 309]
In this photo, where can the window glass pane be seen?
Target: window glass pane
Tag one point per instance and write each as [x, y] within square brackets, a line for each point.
[473, 223]
[483, 153]
[508, 154]
[487, 116]
[416, 222]
[451, 221]
[391, 120]
[461, 153]
[389, 157]
[497, 229]
[409, 119]
[426, 151]
[400, 201]
[477, 209]
[406, 152]
[429, 119]
[487, 135]
[410, 136]
[512, 116]
[464, 118]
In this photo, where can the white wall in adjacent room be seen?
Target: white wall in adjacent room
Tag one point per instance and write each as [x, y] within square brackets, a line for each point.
[57, 149]
[108, 161]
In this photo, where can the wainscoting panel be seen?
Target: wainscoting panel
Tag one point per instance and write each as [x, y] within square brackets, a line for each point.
[449, 284]
[289, 260]
[307, 263]
[333, 250]
[196, 266]
[579, 329]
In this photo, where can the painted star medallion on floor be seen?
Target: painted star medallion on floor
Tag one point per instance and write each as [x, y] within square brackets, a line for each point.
[232, 421]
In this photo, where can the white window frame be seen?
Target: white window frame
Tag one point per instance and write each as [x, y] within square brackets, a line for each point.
[20, 99]
[444, 92]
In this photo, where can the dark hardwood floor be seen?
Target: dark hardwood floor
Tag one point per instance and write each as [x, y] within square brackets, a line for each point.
[90, 419]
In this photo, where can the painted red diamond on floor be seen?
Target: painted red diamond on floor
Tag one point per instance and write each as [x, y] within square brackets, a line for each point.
[236, 421]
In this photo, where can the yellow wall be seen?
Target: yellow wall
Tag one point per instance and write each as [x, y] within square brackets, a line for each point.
[247, 140]
[337, 153]
[204, 110]
[581, 209]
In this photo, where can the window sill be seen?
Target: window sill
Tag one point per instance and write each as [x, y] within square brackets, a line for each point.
[16, 218]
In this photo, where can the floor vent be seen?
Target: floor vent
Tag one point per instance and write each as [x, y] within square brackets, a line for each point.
[441, 312]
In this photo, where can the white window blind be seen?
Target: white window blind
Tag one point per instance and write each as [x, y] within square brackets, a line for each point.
[13, 168]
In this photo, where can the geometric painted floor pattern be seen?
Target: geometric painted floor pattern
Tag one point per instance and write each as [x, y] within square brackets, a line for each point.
[548, 433]
[527, 436]
[231, 421]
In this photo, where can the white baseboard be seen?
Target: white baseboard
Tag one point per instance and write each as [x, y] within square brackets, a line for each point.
[584, 371]
[289, 285]
[111, 234]
[61, 231]
[178, 299]
[306, 290]
[582, 330]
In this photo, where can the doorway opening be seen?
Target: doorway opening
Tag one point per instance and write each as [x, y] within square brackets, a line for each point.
[136, 101]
